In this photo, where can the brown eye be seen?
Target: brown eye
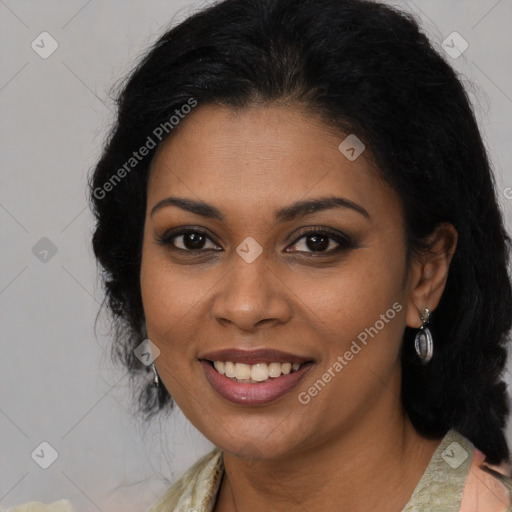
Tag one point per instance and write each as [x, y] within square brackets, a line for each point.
[321, 241]
[187, 240]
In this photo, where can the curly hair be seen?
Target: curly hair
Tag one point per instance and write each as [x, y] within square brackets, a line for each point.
[367, 69]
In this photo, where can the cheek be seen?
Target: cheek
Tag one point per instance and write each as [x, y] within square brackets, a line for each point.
[168, 302]
[358, 293]
[363, 306]
[157, 294]
[362, 310]
[166, 298]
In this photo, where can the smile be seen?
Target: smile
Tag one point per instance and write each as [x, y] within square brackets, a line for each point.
[260, 372]
[256, 377]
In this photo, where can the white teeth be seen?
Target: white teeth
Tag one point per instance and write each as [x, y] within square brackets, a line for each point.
[219, 366]
[274, 369]
[259, 372]
[229, 370]
[242, 371]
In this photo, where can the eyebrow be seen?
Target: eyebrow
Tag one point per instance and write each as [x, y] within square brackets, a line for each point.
[285, 214]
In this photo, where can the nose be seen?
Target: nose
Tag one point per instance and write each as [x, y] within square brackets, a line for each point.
[251, 295]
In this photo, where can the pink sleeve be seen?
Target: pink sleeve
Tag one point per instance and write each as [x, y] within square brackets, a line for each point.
[484, 492]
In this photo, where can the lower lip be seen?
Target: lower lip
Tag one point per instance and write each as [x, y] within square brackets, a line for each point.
[241, 393]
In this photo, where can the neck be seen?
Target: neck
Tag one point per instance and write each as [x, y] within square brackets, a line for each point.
[352, 472]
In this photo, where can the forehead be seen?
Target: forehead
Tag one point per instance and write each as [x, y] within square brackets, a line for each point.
[261, 157]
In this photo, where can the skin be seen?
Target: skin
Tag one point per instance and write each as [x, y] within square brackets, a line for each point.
[328, 454]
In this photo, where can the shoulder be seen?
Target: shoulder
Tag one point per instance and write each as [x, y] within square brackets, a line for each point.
[488, 487]
[37, 506]
[457, 479]
[197, 488]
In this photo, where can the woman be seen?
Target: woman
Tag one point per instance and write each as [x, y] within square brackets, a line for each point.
[296, 208]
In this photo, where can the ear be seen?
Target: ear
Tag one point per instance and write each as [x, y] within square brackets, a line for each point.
[429, 272]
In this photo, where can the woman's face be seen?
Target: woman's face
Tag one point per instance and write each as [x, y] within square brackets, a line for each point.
[259, 285]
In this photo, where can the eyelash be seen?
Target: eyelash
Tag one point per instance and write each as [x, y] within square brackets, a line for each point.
[344, 241]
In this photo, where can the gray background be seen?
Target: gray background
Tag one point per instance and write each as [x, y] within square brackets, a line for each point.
[57, 382]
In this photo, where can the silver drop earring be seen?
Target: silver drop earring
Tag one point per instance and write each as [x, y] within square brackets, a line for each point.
[423, 342]
[156, 381]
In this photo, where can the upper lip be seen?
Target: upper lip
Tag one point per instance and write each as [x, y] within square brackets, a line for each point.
[262, 355]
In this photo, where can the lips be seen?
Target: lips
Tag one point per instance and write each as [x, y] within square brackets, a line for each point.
[256, 356]
[266, 388]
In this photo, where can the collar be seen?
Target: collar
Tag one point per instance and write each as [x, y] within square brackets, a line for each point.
[441, 486]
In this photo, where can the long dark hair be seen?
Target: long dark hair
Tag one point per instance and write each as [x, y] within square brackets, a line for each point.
[367, 69]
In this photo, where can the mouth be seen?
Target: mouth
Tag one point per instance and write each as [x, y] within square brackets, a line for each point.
[254, 377]
[255, 373]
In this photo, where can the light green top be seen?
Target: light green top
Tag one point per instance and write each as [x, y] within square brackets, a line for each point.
[439, 489]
